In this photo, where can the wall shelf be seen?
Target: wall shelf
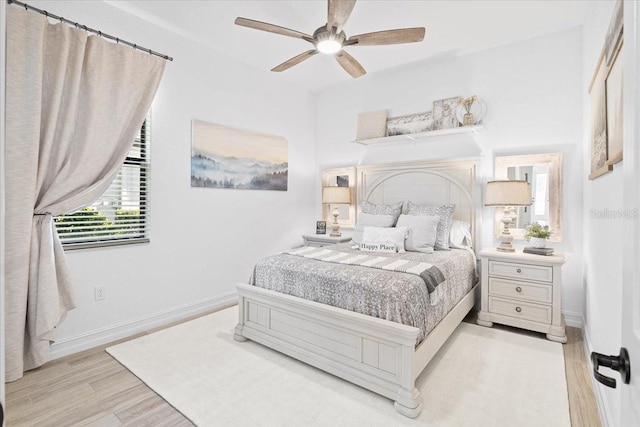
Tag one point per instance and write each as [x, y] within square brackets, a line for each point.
[420, 136]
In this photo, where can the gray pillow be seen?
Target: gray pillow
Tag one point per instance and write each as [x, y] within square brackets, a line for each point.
[374, 209]
[445, 212]
[422, 232]
[369, 220]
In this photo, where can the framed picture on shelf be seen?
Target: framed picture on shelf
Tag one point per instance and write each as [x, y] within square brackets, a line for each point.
[321, 227]
[444, 113]
[411, 123]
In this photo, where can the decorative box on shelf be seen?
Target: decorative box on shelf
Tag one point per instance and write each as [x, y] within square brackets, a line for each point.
[522, 290]
[422, 135]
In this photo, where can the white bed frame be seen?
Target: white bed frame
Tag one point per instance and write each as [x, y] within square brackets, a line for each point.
[376, 354]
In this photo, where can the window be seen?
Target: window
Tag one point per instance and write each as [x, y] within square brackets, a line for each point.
[119, 216]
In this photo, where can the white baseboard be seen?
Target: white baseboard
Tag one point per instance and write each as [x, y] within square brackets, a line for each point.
[575, 320]
[112, 333]
[601, 398]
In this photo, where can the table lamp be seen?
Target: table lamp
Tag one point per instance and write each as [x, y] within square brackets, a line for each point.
[507, 194]
[336, 195]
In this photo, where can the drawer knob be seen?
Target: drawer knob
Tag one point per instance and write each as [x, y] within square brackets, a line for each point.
[518, 271]
[518, 289]
[518, 309]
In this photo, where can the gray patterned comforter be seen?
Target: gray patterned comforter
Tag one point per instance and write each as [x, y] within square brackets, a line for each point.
[395, 296]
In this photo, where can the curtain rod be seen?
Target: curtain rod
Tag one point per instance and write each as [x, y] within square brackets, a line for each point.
[88, 29]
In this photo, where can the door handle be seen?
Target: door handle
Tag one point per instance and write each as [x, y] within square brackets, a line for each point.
[620, 363]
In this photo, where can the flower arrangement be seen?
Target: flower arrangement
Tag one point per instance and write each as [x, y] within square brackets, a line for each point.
[468, 119]
[536, 230]
[468, 102]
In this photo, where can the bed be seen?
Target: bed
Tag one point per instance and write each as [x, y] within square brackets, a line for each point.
[384, 356]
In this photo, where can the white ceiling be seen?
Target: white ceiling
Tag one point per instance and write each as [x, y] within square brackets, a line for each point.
[454, 27]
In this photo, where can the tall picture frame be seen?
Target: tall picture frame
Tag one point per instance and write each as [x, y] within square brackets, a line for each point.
[606, 96]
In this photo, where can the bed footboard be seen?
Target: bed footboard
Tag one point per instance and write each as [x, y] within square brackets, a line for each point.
[373, 353]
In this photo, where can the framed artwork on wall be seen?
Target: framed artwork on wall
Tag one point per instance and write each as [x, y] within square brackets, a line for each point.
[224, 157]
[614, 95]
[613, 38]
[606, 96]
[597, 94]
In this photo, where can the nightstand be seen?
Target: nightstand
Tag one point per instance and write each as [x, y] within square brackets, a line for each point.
[325, 239]
[522, 290]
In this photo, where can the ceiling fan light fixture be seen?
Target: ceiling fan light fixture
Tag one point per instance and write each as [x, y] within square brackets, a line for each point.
[329, 46]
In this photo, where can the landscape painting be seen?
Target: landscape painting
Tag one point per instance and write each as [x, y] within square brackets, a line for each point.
[223, 157]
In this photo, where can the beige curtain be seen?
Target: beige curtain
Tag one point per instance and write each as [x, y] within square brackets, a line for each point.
[74, 103]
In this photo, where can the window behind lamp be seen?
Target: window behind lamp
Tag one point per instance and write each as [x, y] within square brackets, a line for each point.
[119, 216]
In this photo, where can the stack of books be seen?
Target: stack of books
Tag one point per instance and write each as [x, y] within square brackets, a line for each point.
[538, 251]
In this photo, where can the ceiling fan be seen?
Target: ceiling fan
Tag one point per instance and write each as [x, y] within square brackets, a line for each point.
[331, 39]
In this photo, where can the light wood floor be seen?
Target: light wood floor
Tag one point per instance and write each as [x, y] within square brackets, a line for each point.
[93, 389]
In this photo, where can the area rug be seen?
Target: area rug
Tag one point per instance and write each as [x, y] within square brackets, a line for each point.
[480, 377]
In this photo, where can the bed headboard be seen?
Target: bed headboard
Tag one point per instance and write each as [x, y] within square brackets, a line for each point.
[424, 182]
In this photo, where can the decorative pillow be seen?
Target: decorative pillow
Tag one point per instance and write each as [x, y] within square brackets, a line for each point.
[445, 212]
[365, 219]
[388, 235]
[460, 236]
[374, 209]
[422, 232]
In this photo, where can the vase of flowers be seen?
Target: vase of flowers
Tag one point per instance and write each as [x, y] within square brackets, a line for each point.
[538, 234]
[468, 119]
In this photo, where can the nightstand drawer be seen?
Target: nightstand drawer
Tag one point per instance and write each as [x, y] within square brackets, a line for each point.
[521, 310]
[521, 290]
[521, 271]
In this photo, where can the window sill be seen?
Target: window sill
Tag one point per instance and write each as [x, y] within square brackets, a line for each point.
[105, 244]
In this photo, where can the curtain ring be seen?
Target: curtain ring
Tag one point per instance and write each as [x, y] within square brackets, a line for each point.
[117, 40]
[150, 52]
[77, 25]
[46, 13]
[99, 33]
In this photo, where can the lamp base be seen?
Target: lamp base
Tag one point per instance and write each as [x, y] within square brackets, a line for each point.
[505, 243]
[335, 227]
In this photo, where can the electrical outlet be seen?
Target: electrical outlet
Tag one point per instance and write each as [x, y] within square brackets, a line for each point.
[99, 293]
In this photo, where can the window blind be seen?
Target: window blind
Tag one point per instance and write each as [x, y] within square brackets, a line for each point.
[120, 215]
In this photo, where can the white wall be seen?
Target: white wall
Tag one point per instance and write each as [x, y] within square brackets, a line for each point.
[602, 236]
[534, 94]
[203, 241]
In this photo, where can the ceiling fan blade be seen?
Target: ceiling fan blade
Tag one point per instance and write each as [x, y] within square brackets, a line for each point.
[350, 64]
[263, 26]
[338, 13]
[399, 36]
[295, 60]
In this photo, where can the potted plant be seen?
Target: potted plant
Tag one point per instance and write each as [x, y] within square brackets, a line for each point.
[538, 234]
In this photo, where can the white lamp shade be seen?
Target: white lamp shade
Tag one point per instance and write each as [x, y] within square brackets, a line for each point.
[508, 193]
[336, 195]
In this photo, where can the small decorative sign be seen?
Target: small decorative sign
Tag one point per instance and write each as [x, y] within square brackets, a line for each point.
[378, 247]
[321, 227]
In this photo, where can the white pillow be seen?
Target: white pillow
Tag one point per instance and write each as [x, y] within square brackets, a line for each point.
[460, 235]
[389, 235]
[422, 232]
[365, 219]
[445, 212]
